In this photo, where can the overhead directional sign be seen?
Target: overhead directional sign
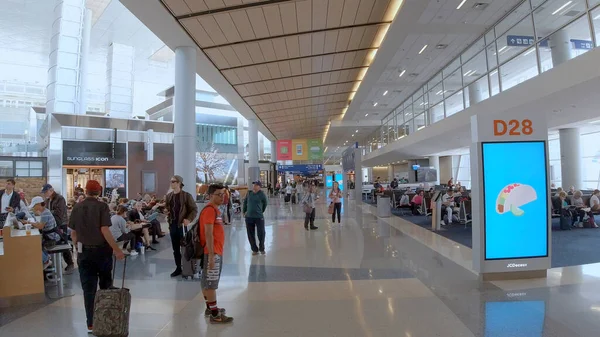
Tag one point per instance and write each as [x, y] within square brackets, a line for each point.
[310, 168]
[526, 41]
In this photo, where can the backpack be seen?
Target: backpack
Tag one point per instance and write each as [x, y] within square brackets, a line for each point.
[193, 249]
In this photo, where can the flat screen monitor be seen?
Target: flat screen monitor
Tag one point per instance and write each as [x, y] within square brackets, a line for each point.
[515, 198]
[416, 167]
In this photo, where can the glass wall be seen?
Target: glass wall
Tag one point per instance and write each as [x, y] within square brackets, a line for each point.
[535, 37]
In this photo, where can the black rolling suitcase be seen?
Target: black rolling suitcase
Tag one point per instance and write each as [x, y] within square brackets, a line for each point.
[293, 198]
[286, 198]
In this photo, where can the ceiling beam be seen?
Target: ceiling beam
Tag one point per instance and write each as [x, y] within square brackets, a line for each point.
[324, 30]
[302, 88]
[298, 99]
[310, 74]
[227, 9]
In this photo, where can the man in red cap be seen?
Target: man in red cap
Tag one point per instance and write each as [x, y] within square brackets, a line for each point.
[90, 224]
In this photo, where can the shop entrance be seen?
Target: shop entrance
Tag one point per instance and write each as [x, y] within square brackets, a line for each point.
[109, 179]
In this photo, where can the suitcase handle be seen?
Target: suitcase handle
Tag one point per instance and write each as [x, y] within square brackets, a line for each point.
[115, 268]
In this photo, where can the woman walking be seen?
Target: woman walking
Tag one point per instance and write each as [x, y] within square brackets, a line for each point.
[308, 203]
[336, 195]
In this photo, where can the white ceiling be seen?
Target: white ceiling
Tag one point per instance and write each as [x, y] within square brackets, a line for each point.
[419, 23]
[566, 95]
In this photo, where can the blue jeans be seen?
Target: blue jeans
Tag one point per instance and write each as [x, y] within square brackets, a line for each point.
[254, 225]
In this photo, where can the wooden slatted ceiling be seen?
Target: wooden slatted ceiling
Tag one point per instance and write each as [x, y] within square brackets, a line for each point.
[296, 63]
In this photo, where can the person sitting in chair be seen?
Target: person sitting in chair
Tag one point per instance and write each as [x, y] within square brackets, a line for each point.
[448, 206]
[417, 202]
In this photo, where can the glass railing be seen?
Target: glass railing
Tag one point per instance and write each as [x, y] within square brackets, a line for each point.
[533, 38]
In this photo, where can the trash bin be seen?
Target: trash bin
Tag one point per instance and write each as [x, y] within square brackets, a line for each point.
[384, 209]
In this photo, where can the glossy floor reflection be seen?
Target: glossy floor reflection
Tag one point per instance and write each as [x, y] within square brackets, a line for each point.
[366, 277]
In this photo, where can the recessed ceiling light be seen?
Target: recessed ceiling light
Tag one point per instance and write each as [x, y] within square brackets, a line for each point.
[352, 135]
[461, 4]
[402, 73]
[356, 131]
[423, 49]
[385, 93]
[366, 115]
[562, 7]
[375, 104]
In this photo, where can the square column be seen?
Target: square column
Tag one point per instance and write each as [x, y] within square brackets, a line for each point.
[184, 140]
[119, 76]
[63, 72]
[253, 168]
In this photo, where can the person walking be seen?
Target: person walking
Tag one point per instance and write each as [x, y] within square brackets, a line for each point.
[253, 211]
[57, 205]
[212, 238]
[90, 231]
[336, 198]
[182, 210]
[308, 203]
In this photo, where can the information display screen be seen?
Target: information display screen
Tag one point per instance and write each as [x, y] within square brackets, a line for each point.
[515, 200]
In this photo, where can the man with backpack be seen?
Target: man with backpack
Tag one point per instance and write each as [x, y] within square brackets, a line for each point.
[212, 238]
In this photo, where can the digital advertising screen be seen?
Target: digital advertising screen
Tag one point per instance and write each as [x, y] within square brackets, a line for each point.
[515, 200]
[340, 179]
[515, 319]
[329, 181]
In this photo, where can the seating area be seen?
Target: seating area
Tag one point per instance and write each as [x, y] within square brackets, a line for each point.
[569, 247]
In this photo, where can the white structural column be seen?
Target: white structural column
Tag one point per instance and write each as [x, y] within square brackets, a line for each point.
[184, 141]
[560, 47]
[241, 151]
[119, 76]
[476, 93]
[253, 168]
[570, 158]
[274, 163]
[434, 161]
[83, 66]
[63, 79]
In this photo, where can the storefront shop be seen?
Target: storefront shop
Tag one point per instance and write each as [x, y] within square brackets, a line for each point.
[102, 161]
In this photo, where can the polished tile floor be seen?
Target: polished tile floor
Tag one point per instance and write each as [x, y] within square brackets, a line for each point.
[366, 277]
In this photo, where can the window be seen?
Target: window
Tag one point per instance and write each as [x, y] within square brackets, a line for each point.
[24, 168]
[6, 168]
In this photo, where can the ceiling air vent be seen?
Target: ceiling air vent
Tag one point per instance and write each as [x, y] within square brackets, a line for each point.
[480, 5]
[441, 46]
[413, 74]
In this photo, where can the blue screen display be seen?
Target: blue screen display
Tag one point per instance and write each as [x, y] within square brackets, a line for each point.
[515, 319]
[515, 200]
[329, 181]
[340, 179]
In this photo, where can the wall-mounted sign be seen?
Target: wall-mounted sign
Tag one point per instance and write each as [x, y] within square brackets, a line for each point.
[582, 44]
[284, 149]
[299, 149]
[523, 41]
[315, 149]
[310, 168]
[94, 154]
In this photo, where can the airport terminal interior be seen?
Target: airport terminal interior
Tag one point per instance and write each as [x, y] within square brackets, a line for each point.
[294, 168]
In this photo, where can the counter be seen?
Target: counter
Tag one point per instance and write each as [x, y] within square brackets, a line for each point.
[21, 276]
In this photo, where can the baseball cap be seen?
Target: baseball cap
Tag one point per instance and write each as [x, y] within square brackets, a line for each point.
[93, 186]
[35, 201]
[179, 179]
[46, 187]
[257, 183]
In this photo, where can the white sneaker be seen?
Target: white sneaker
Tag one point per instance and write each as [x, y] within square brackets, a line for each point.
[133, 253]
[197, 276]
[47, 264]
[443, 223]
[580, 224]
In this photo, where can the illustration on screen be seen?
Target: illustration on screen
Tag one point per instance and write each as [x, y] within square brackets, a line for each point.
[513, 197]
